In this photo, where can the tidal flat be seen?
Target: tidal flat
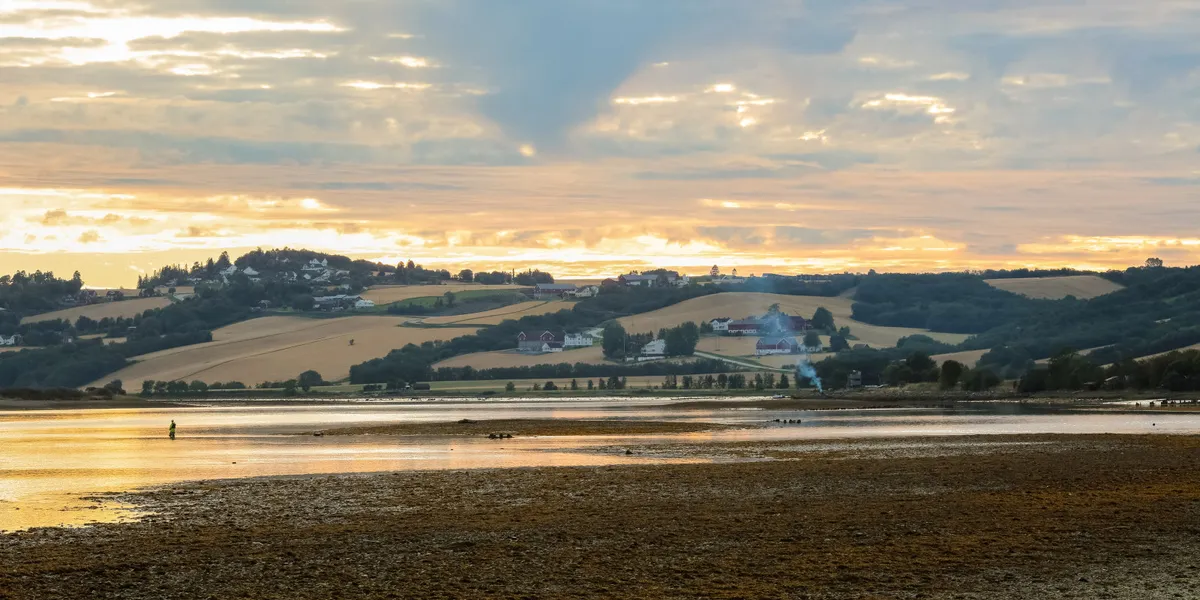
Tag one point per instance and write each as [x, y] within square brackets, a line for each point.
[1035, 516]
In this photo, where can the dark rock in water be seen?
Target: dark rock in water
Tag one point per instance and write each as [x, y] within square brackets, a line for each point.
[466, 422]
[628, 452]
[318, 434]
[491, 436]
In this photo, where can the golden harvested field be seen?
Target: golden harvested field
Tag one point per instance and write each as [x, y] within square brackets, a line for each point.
[505, 359]
[1083, 287]
[739, 305]
[280, 348]
[389, 294]
[966, 357]
[495, 317]
[112, 310]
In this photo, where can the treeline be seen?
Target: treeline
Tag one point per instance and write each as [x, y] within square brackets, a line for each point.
[901, 366]
[1177, 371]
[830, 286]
[81, 362]
[580, 371]
[24, 294]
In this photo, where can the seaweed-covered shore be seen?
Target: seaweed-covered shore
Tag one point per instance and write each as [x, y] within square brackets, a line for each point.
[979, 518]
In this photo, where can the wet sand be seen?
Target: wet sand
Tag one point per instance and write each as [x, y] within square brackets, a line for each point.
[529, 427]
[979, 518]
[85, 403]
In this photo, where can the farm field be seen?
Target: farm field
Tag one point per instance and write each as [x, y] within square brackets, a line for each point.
[1083, 287]
[111, 310]
[739, 305]
[505, 313]
[389, 294]
[280, 348]
[966, 357]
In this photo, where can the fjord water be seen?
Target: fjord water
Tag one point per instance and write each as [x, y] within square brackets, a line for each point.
[50, 461]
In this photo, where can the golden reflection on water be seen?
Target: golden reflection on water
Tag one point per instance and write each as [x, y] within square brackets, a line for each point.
[49, 459]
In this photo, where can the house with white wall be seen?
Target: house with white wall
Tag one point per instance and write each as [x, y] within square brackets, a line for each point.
[578, 340]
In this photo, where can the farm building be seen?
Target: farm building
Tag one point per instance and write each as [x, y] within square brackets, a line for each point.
[543, 343]
[720, 325]
[7, 342]
[632, 280]
[588, 291]
[781, 345]
[653, 350]
[745, 327]
[552, 290]
[578, 340]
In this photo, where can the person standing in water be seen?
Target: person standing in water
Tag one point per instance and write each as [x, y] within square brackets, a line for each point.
[172, 428]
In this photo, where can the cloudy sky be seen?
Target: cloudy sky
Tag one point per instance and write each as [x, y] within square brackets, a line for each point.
[594, 136]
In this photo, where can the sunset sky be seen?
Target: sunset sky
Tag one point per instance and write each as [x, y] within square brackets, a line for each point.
[590, 137]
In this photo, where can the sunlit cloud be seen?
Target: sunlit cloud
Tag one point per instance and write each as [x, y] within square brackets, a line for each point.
[487, 135]
[372, 85]
[647, 100]
[950, 76]
[412, 62]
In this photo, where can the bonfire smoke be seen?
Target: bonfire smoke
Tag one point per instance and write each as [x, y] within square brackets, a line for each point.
[804, 368]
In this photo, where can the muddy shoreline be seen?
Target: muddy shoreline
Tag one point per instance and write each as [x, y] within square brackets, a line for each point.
[980, 518]
[528, 427]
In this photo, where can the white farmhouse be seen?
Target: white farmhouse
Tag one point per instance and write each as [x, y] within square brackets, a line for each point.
[363, 304]
[588, 291]
[578, 340]
[721, 325]
[654, 350]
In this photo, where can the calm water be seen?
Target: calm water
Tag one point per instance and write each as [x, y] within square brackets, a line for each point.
[49, 459]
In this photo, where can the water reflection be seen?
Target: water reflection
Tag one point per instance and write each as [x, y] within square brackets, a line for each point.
[48, 459]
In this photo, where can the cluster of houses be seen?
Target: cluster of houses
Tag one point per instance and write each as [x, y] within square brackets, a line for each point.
[550, 341]
[11, 342]
[570, 290]
[543, 291]
[776, 329]
[314, 271]
[341, 302]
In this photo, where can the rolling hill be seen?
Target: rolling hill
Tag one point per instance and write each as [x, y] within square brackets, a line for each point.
[738, 305]
[1083, 287]
[280, 348]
